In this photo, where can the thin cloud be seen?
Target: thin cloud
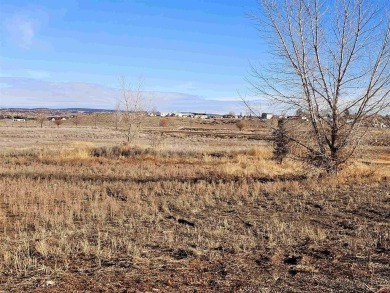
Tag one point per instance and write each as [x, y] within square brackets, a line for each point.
[237, 98]
[21, 31]
[27, 92]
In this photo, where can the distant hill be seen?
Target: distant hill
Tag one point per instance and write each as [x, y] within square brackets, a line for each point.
[88, 110]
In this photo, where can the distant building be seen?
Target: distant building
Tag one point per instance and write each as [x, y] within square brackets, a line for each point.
[200, 115]
[378, 124]
[19, 119]
[187, 114]
[295, 117]
[231, 116]
[54, 118]
[166, 114]
[266, 116]
[211, 116]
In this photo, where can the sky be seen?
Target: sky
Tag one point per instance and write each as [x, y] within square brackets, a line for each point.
[191, 55]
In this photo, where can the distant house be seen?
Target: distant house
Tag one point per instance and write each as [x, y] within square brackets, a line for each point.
[186, 114]
[211, 116]
[378, 124]
[154, 113]
[266, 116]
[19, 119]
[54, 118]
[200, 115]
[296, 117]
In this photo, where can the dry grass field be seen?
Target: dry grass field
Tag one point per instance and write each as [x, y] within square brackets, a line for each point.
[183, 211]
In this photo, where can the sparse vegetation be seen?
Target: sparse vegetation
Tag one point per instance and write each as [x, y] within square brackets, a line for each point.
[196, 213]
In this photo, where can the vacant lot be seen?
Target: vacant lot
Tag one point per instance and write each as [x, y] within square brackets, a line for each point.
[186, 212]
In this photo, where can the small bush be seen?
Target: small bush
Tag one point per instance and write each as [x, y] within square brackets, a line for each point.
[281, 141]
[163, 123]
[58, 122]
[241, 124]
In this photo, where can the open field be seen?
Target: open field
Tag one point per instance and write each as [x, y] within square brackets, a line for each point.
[204, 209]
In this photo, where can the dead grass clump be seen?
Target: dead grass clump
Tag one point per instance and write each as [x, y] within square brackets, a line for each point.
[355, 173]
[125, 151]
[31, 153]
[75, 154]
[263, 152]
[129, 151]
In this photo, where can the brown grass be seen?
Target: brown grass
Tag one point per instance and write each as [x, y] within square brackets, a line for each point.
[185, 216]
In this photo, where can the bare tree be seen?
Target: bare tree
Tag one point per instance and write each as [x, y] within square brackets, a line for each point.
[95, 119]
[117, 115]
[329, 61]
[132, 107]
[76, 120]
[41, 118]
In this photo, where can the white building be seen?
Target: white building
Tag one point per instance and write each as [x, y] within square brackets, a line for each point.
[266, 115]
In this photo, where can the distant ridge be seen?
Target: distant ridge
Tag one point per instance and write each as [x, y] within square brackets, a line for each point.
[91, 110]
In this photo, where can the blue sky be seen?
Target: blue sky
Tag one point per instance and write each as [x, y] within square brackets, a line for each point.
[191, 54]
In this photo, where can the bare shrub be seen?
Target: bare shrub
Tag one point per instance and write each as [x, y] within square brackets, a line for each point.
[58, 122]
[76, 120]
[163, 122]
[241, 124]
